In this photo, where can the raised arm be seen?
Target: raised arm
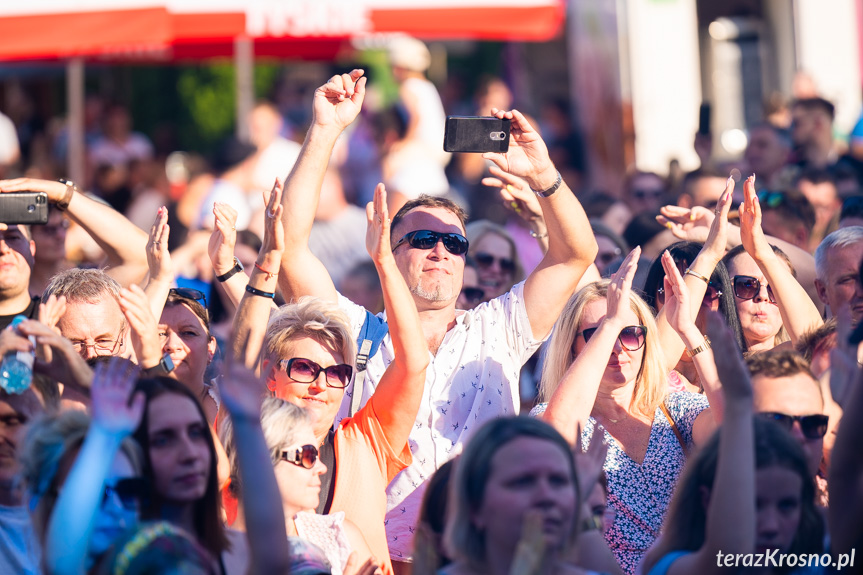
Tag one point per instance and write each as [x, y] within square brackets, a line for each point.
[798, 311]
[120, 239]
[336, 105]
[679, 314]
[114, 416]
[250, 321]
[159, 262]
[398, 395]
[730, 524]
[701, 267]
[241, 394]
[570, 406]
[571, 245]
[516, 196]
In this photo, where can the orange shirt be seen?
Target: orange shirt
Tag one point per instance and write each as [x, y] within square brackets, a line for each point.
[365, 465]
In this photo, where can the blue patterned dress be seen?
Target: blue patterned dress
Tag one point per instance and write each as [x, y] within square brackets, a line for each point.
[640, 494]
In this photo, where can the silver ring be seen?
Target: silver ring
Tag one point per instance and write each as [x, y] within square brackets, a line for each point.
[271, 215]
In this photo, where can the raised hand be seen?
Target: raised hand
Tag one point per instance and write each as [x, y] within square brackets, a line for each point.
[274, 229]
[515, 193]
[677, 307]
[733, 373]
[144, 329]
[55, 190]
[52, 310]
[690, 225]
[378, 230]
[112, 406]
[55, 355]
[717, 236]
[531, 548]
[620, 287]
[158, 256]
[751, 234]
[241, 391]
[223, 239]
[338, 102]
[527, 156]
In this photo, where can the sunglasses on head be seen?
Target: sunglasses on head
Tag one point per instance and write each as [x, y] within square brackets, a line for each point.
[485, 261]
[771, 199]
[189, 293]
[748, 287]
[712, 294]
[473, 295]
[305, 456]
[306, 371]
[630, 337]
[130, 491]
[812, 426]
[455, 244]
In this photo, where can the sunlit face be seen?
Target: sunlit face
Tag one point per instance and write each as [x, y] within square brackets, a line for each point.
[179, 448]
[527, 474]
[495, 264]
[95, 328]
[796, 394]
[113, 517]
[16, 260]
[300, 487]
[841, 282]
[759, 319]
[185, 338]
[321, 400]
[778, 505]
[434, 276]
[707, 191]
[623, 365]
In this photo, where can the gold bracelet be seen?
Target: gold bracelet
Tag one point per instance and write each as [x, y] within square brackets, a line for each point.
[695, 274]
[704, 346]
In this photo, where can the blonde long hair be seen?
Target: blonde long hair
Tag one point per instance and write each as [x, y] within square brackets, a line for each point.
[652, 379]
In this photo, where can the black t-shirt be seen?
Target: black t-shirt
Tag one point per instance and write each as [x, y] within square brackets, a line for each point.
[30, 312]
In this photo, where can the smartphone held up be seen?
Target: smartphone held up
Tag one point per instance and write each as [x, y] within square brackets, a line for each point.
[24, 208]
[476, 134]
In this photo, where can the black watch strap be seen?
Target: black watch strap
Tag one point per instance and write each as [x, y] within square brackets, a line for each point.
[238, 267]
[164, 367]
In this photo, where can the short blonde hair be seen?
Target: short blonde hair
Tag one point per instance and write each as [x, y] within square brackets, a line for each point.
[311, 317]
[280, 420]
[652, 383]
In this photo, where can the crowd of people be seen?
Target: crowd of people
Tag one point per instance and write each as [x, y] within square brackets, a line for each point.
[233, 389]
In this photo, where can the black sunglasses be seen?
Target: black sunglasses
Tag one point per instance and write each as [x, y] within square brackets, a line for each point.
[473, 295]
[455, 244]
[631, 337]
[748, 287]
[306, 371]
[485, 261]
[305, 456]
[712, 294]
[190, 293]
[812, 426]
[641, 194]
[131, 491]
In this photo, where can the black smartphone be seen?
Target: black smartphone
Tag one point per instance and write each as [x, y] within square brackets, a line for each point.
[704, 118]
[24, 208]
[476, 134]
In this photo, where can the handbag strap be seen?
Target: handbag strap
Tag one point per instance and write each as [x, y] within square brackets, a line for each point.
[674, 428]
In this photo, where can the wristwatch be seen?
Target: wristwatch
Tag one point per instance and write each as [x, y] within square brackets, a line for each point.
[71, 188]
[238, 267]
[164, 367]
[551, 190]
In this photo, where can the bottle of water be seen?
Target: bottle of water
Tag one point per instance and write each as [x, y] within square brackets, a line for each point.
[16, 370]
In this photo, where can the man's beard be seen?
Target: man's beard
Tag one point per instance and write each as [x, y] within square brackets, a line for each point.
[439, 293]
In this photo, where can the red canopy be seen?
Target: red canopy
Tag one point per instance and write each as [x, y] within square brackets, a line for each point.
[180, 29]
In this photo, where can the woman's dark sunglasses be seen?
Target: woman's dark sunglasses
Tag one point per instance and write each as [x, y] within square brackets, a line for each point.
[485, 261]
[189, 293]
[131, 491]
[631, 337]
[455, 244]
[812, 426]
[473, 295]
[748, 287]
[305, 456]
[306, 371]
[712, 294]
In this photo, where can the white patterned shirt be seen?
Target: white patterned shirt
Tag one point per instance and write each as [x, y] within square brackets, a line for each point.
[473, 378]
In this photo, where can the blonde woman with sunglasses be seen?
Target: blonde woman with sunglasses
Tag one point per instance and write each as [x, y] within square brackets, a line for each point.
[605, 368]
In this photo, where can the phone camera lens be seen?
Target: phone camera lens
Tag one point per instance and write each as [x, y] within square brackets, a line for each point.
[31, 208]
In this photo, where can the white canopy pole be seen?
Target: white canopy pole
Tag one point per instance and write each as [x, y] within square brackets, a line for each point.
[75, 118]
[244, 69]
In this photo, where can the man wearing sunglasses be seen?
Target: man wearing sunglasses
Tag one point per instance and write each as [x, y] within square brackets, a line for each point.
[785, 391]
[477, 355]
